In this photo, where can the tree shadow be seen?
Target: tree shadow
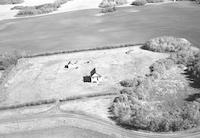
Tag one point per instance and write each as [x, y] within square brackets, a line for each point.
[193, 97]
[193, 81]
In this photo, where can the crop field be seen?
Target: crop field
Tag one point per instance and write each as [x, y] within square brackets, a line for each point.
[42, 78]
[84, 29]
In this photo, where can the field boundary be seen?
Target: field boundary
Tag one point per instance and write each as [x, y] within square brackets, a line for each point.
[82, 50]
[52, 101]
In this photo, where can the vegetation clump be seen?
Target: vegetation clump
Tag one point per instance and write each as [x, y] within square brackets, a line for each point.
[167, 44]
[139, 2]
[135, 113]
[108, 9]
[131, 83]
[4, 2]
[39, 9]
[111, 3]
[139, 104]
[7, 60]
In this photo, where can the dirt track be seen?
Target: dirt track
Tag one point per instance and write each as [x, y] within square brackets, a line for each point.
[59, 119]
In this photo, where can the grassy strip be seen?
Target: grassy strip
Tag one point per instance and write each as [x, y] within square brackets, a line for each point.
[82, 50]
[39, 9]
[37, 103]
[51, 101]
[5, 2]
[86, 96]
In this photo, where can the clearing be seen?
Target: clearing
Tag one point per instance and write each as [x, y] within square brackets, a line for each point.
[45, 77]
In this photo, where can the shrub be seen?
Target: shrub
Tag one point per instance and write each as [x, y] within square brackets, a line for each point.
[154, 1]
[131, 83]
[167, 44]
[108, 9]
[3, 2]
[139, 2]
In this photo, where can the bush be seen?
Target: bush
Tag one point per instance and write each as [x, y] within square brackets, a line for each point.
[139, 2]
[4, 2]
[160, 66]
[108, 9]
[167, 44]
[131, 83]
[154, 1]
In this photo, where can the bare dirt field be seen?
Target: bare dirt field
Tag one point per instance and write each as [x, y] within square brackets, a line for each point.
[45, 77]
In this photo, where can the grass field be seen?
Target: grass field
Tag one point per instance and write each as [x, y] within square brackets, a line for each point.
[84, 29]
[97, 107]
[42, 78]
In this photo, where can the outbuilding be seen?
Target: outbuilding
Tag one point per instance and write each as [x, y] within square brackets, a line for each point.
[94, 77]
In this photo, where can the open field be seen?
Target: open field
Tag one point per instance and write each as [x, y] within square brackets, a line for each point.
[42, 78]
[84, 29]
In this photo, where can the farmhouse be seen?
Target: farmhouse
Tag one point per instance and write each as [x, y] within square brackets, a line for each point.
[94, 77]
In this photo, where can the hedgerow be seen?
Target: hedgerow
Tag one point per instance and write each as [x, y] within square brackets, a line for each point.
[35, 103]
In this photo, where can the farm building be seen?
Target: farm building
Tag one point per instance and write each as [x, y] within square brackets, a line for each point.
[71, 64]
[94, 77]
